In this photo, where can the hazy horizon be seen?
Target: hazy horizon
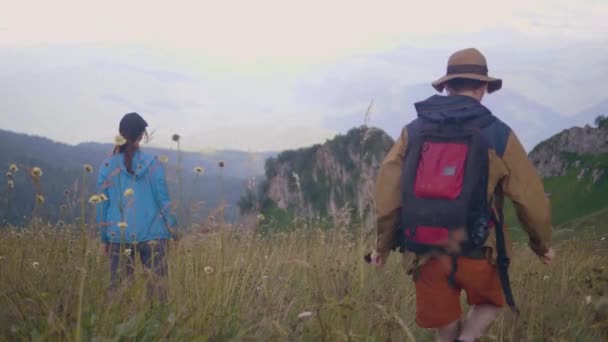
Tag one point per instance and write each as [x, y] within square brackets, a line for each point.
[271, 75]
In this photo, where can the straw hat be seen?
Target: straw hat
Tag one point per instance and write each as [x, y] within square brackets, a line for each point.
[470, 64]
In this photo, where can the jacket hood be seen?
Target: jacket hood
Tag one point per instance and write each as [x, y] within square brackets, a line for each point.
[141, 163]
[454, 107]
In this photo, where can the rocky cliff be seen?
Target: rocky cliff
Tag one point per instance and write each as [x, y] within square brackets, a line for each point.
[568, 149]
[325, 180]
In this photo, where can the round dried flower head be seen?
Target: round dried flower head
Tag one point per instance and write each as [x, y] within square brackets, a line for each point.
[122, 225]
[163, 159]
[13, 168]
[175, 137]
[63, 207]
[37, 172]
[88, 168]
[94, 200]
[129, 192]
[40, 199]
[35, 264]
[128, 251]
[119, 140]
[103, 197]
[9, 175]
[66, 192]
[199, 170]
[221, 164]
[11, 184]
[208, 269]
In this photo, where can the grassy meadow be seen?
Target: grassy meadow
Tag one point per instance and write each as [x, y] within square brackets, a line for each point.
[305, 285]
[305, 282]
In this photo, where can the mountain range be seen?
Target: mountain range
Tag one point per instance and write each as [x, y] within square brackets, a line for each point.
[62, 166]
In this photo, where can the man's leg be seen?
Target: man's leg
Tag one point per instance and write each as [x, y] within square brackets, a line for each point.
[449, 333]
[437, 303]
[484, 293]
[477, 322]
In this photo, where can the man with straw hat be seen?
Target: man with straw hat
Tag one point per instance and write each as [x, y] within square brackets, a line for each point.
[439, 169]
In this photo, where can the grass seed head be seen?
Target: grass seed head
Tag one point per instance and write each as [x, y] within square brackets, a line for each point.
[94, 200]
[88, 168]
[199, 170]
[119, 140]
[37, 172]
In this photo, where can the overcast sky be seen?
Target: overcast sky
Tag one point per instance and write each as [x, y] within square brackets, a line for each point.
[234, 74]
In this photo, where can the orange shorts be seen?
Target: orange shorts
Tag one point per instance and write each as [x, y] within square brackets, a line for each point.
[438, 303]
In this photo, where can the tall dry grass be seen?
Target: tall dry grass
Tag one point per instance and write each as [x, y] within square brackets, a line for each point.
[300, 286]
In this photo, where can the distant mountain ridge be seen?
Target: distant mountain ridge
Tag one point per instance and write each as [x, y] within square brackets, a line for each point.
[62, 165]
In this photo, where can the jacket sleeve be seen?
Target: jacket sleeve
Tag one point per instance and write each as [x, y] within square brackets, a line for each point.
[162, 195]
[102, 208]
[388, 195]
[525, 188]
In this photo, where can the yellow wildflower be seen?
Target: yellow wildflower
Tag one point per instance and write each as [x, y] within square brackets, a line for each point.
[36, 172]
[128, 251]
[208, 269]
[103, 197]
[11, 184]
[40, 199]
[261, 217]
[129, 192]
[88, 168]
[94, 200]
[35, 264]
[13, 168]
[163, 159]
[122, 225]
[119, 140]
[199, 170]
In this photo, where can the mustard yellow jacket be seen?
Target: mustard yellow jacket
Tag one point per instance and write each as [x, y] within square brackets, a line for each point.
[510, 169]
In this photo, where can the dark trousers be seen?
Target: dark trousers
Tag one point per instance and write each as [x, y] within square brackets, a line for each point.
[153, 257]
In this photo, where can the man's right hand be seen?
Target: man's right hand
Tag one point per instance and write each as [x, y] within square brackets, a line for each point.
[376, 259]
[548, 257]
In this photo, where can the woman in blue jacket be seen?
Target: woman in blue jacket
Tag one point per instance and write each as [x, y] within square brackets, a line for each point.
[136, 219]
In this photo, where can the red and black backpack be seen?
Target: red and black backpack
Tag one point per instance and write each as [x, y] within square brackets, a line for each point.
[445, 176]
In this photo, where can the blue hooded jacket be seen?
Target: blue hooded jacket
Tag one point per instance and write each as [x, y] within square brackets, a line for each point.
[147, 211]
